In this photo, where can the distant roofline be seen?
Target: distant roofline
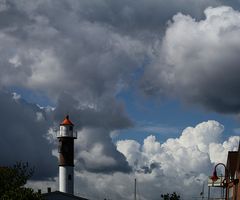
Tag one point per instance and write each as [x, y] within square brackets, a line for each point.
[64, 194]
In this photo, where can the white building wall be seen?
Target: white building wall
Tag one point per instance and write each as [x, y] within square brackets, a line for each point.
[66, 179]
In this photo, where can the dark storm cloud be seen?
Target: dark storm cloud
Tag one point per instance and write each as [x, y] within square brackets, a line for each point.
[136, 16]
[107, 114]
[84, 48]
[82, 54]
[95, 151]
[22, 128]
[89, 63]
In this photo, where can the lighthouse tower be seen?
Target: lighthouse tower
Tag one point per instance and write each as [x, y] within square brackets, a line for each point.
[66, 138]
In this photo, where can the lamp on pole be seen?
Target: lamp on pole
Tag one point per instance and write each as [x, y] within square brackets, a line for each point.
[215, 177]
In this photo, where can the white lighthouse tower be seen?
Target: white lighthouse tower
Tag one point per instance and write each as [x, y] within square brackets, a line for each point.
[66, 138]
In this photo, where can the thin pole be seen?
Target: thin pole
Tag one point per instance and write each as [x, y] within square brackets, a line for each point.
[203, 191]
[135, 189]
[208, 192]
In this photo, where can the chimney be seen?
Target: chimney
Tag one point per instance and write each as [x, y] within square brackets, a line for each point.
[48, 189]
[39, 191]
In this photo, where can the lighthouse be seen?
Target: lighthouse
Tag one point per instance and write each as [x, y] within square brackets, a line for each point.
[66, 138]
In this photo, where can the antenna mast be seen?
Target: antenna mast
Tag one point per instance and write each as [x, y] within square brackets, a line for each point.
[135, 189]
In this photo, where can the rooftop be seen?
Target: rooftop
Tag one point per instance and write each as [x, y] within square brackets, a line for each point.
[67, 121]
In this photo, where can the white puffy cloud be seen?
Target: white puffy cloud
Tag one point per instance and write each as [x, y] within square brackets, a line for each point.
[218, 152]
[201, 135]
[198, 60]
[89, 44]
[178, 164]
[188, 159]
[150, 146]
[81, 54]
[130, 148]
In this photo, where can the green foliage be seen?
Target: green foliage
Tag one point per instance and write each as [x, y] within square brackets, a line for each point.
[21, 194]
[12, 180]
[173, 196]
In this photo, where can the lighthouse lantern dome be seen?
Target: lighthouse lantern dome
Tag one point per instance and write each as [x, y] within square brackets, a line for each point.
[66, 128]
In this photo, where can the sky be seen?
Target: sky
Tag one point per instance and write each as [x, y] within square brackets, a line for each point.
[152, 86]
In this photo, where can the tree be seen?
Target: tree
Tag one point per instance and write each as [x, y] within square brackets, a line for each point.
[173, 196]
[12, 181]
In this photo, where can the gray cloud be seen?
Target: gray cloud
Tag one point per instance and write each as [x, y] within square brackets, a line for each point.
[149, 169]
[22, 128]
[81, 54]
[106, 113]
[138, 17]
[78, 64]
[198, 61]
[95, 150]
[88, 49]
[187, 159]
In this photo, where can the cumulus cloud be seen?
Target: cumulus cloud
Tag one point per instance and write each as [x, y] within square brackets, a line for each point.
[46, 50]
[188, 159]
[81, 54]
[90, 44]
[198, 61]
[218, 152]
[78, 64]
[178, 164]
